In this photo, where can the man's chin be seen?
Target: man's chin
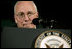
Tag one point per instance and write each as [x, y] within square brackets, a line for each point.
[26, 26]
[23, 27]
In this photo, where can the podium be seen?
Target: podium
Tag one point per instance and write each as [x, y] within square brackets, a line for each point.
[12, 37]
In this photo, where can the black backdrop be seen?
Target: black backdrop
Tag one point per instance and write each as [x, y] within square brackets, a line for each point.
[47, 10]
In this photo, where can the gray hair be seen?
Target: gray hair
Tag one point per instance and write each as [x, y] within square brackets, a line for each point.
[19, 1]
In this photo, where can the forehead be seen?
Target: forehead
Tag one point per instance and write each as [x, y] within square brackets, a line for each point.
[25, 6]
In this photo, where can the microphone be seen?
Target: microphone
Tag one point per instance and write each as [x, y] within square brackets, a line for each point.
[45, 23]
[37, 21]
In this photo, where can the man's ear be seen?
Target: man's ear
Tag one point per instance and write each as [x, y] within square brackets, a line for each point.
[37, 15]
[15, 18]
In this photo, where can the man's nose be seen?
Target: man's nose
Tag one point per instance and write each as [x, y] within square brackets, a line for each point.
[26, 18]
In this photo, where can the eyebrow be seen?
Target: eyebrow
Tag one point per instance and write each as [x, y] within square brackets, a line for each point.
[29, 12]
[22, 13]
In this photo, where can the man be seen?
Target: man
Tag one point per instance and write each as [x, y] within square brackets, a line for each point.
[24, 13]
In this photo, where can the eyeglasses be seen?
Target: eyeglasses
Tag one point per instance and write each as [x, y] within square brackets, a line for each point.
[29, 14]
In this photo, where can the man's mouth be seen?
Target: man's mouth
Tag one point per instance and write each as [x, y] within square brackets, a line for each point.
[27, 24]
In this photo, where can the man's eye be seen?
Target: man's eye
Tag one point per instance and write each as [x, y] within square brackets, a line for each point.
[20, 14]
[30, 14]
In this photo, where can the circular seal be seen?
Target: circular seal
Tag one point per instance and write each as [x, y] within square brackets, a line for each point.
[53, 39]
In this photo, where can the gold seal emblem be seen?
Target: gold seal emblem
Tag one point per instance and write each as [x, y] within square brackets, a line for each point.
[53, 39]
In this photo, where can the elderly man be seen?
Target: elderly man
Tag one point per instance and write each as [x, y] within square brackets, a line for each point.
[24, 13]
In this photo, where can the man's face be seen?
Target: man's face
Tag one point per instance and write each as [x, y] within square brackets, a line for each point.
[25, 13]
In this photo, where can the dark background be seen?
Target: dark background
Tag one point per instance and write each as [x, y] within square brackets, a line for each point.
[47, 10]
